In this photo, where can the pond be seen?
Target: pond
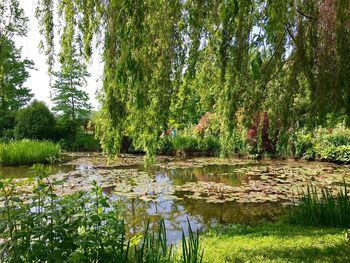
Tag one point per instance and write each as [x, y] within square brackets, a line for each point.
[204, 191]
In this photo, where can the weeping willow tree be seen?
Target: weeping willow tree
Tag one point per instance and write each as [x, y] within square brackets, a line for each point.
[172, 60]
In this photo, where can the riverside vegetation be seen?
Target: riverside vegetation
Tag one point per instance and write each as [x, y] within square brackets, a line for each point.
[84, 227]
[28, 152]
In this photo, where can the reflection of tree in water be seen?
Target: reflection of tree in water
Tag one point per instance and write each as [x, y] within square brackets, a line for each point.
[210, 213]
[138, 213]
[215, 173]
[200, 214]
[157, 201]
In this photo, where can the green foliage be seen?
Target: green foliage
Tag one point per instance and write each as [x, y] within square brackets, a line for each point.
[323, 208]
[165, 145]
[71, 103]
[340, 154]
[83, 227]
[169, 62]
[338, 136]
[7, 123]
[13, 74]
[26, 152]
[304, 146]
[331, 145]
[35, 121]
[82, 142]
[184, 143]
[209, 145]
[13, 68]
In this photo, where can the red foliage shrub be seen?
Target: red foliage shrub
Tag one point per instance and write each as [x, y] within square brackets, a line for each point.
[260, 127]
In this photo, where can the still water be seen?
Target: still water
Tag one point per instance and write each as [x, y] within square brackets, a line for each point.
[205, 196]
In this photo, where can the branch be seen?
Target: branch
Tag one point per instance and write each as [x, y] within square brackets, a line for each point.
[275, 52]
[305, 15]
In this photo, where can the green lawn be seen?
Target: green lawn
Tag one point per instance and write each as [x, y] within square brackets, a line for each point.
[275, 243]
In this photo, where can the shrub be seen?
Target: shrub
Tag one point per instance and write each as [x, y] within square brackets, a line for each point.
[27, 152]
[333, 137]
[83, 227]
[258, 135]
[304, 146]
[35, 121]
[82, 142]
[209, 145]
[208, 125]
[7, 123]
[165, 145]
[184, 143]
[340, 154]
[323, 208]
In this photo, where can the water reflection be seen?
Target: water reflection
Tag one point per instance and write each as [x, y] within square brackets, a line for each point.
[27, 172]
[176, 209]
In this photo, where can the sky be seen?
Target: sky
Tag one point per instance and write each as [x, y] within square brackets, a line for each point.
[39, 79]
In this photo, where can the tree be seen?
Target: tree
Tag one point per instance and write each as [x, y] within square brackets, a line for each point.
[289, 59]
[70, 101]
[13, 69]
[35, 121]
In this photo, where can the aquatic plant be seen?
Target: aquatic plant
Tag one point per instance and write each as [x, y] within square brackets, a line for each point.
[83, 227]
[28, 152]
[323, 208]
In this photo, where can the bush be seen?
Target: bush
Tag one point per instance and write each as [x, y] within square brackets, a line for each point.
[304, 146]
[340, 154]
[82, 142]
[209, 145]
[83, 227]
[184, 143]
[27, 152]
[7, 123]
[165, 145]
[35, 121]
[337, 137]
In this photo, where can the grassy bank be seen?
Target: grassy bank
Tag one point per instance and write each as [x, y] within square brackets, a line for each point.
[276, 243]
[28, 152]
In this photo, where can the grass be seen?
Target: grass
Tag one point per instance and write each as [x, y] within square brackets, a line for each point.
[323, 208]
[28, 152]
[275, 243]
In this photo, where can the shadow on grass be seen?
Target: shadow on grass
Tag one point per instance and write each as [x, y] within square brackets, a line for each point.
[279, 230]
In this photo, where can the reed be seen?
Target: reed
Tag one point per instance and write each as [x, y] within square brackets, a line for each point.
[323, 208]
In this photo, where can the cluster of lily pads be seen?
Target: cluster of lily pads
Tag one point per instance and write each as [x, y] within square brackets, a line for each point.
[254, 182]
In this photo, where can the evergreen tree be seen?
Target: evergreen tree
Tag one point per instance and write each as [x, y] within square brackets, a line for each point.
[71, 102]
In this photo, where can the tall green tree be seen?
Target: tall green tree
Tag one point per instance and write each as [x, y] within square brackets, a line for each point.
[71, 102]
[13, 69]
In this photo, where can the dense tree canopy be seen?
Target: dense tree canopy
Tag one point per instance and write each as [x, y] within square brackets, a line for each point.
[171, 61]
[35, 121]
[13, 69]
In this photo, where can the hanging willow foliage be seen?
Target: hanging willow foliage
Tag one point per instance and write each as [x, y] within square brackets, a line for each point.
[169, 61]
